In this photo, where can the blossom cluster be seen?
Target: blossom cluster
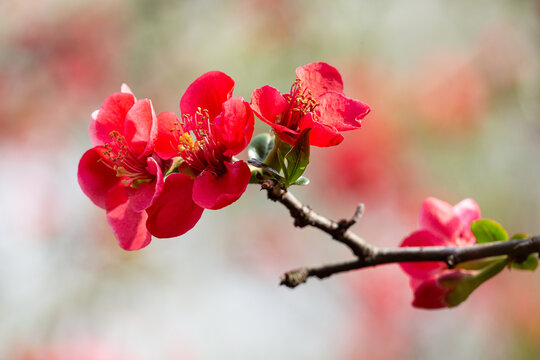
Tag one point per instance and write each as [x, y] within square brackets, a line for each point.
[155, 174]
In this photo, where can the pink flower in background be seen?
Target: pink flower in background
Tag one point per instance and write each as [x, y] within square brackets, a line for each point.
[440, 225]
[120, 173]
[316, 101]
[215, 126]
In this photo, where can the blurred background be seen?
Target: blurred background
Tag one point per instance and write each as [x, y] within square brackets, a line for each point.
[454, 87]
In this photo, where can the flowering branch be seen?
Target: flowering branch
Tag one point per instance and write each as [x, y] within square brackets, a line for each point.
[368, 255]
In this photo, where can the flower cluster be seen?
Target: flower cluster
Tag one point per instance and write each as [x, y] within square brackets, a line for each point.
[155, 174]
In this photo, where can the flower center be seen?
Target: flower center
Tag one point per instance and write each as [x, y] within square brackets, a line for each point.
[197, 143]
[301, 102]
[122, 159]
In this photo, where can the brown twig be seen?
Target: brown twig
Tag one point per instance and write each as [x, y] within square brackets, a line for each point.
[368, 255]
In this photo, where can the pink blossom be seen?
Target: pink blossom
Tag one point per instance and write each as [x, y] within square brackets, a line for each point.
[440, 224]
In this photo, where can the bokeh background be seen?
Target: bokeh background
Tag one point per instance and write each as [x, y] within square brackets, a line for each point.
[455, 90]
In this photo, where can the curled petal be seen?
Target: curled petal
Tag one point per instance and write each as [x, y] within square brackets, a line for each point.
[211, 192]
[128, 225]
[141, 127]
[110, 117]
[208, 91]
[95, 178]
[321, 135]
[167, 123]
[174, 212]
[438, 217]
[234, 126]
[340, 111]
[268, 104]
[319, 77]
[423, 269]
[146, 193]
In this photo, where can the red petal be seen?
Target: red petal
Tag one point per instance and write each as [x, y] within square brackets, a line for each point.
[428, 294]
[438, 217]
[128, 225]
[95, 178]
[208, 91]
[422, 269]
[146, 193]
[234, 126]
[141, 127]
[319, 77]
[174, 212]
[321, 134]
[111, 116]
[166, 146]
[340, 111]
[214, 193]
[268, 104]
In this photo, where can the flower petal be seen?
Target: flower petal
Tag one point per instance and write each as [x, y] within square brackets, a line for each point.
[95, 178]
[319, 77]
[234, 126]
[110, 117]
[340, 111]
[268, 104]
[428, 294]
[438, 216]
[146, 193]
[174, 212]
[128, 225]
[167, 122]
[208, 91]
[467, 211]
[141, 127]
[214, 193]
[423, 269]
[321, 135]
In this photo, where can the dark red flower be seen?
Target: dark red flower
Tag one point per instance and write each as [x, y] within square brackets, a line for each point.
[214, 127]
[316, 101]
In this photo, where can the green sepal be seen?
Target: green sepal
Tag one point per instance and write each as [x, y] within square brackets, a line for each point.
[297, 158]
[260, 146]
[462, 288]
[530, 263]
[487, 231]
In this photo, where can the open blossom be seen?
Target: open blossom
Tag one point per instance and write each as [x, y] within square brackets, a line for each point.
[440, 224]
[120, 173]
[315, 101]
[215, 126]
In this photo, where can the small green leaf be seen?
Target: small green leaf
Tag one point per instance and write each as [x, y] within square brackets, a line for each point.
[265, 168]
[488, 231]
[298, 158]
[519, 236]
[530, 263]
[260, 146]
[302, 180]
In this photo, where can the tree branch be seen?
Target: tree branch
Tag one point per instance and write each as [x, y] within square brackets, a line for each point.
[368, 255]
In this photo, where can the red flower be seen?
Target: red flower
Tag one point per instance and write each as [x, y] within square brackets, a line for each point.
[120, 173]
[316, 101]
[440, 225]
[214, 127]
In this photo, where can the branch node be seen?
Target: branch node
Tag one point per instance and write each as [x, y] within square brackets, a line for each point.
[346, 224]
[294, 278]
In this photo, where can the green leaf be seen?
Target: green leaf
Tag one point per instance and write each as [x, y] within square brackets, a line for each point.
[302, 180]
[487, 231]
[298, 158]
[260, 146]
[267, 170]
[530, 263]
